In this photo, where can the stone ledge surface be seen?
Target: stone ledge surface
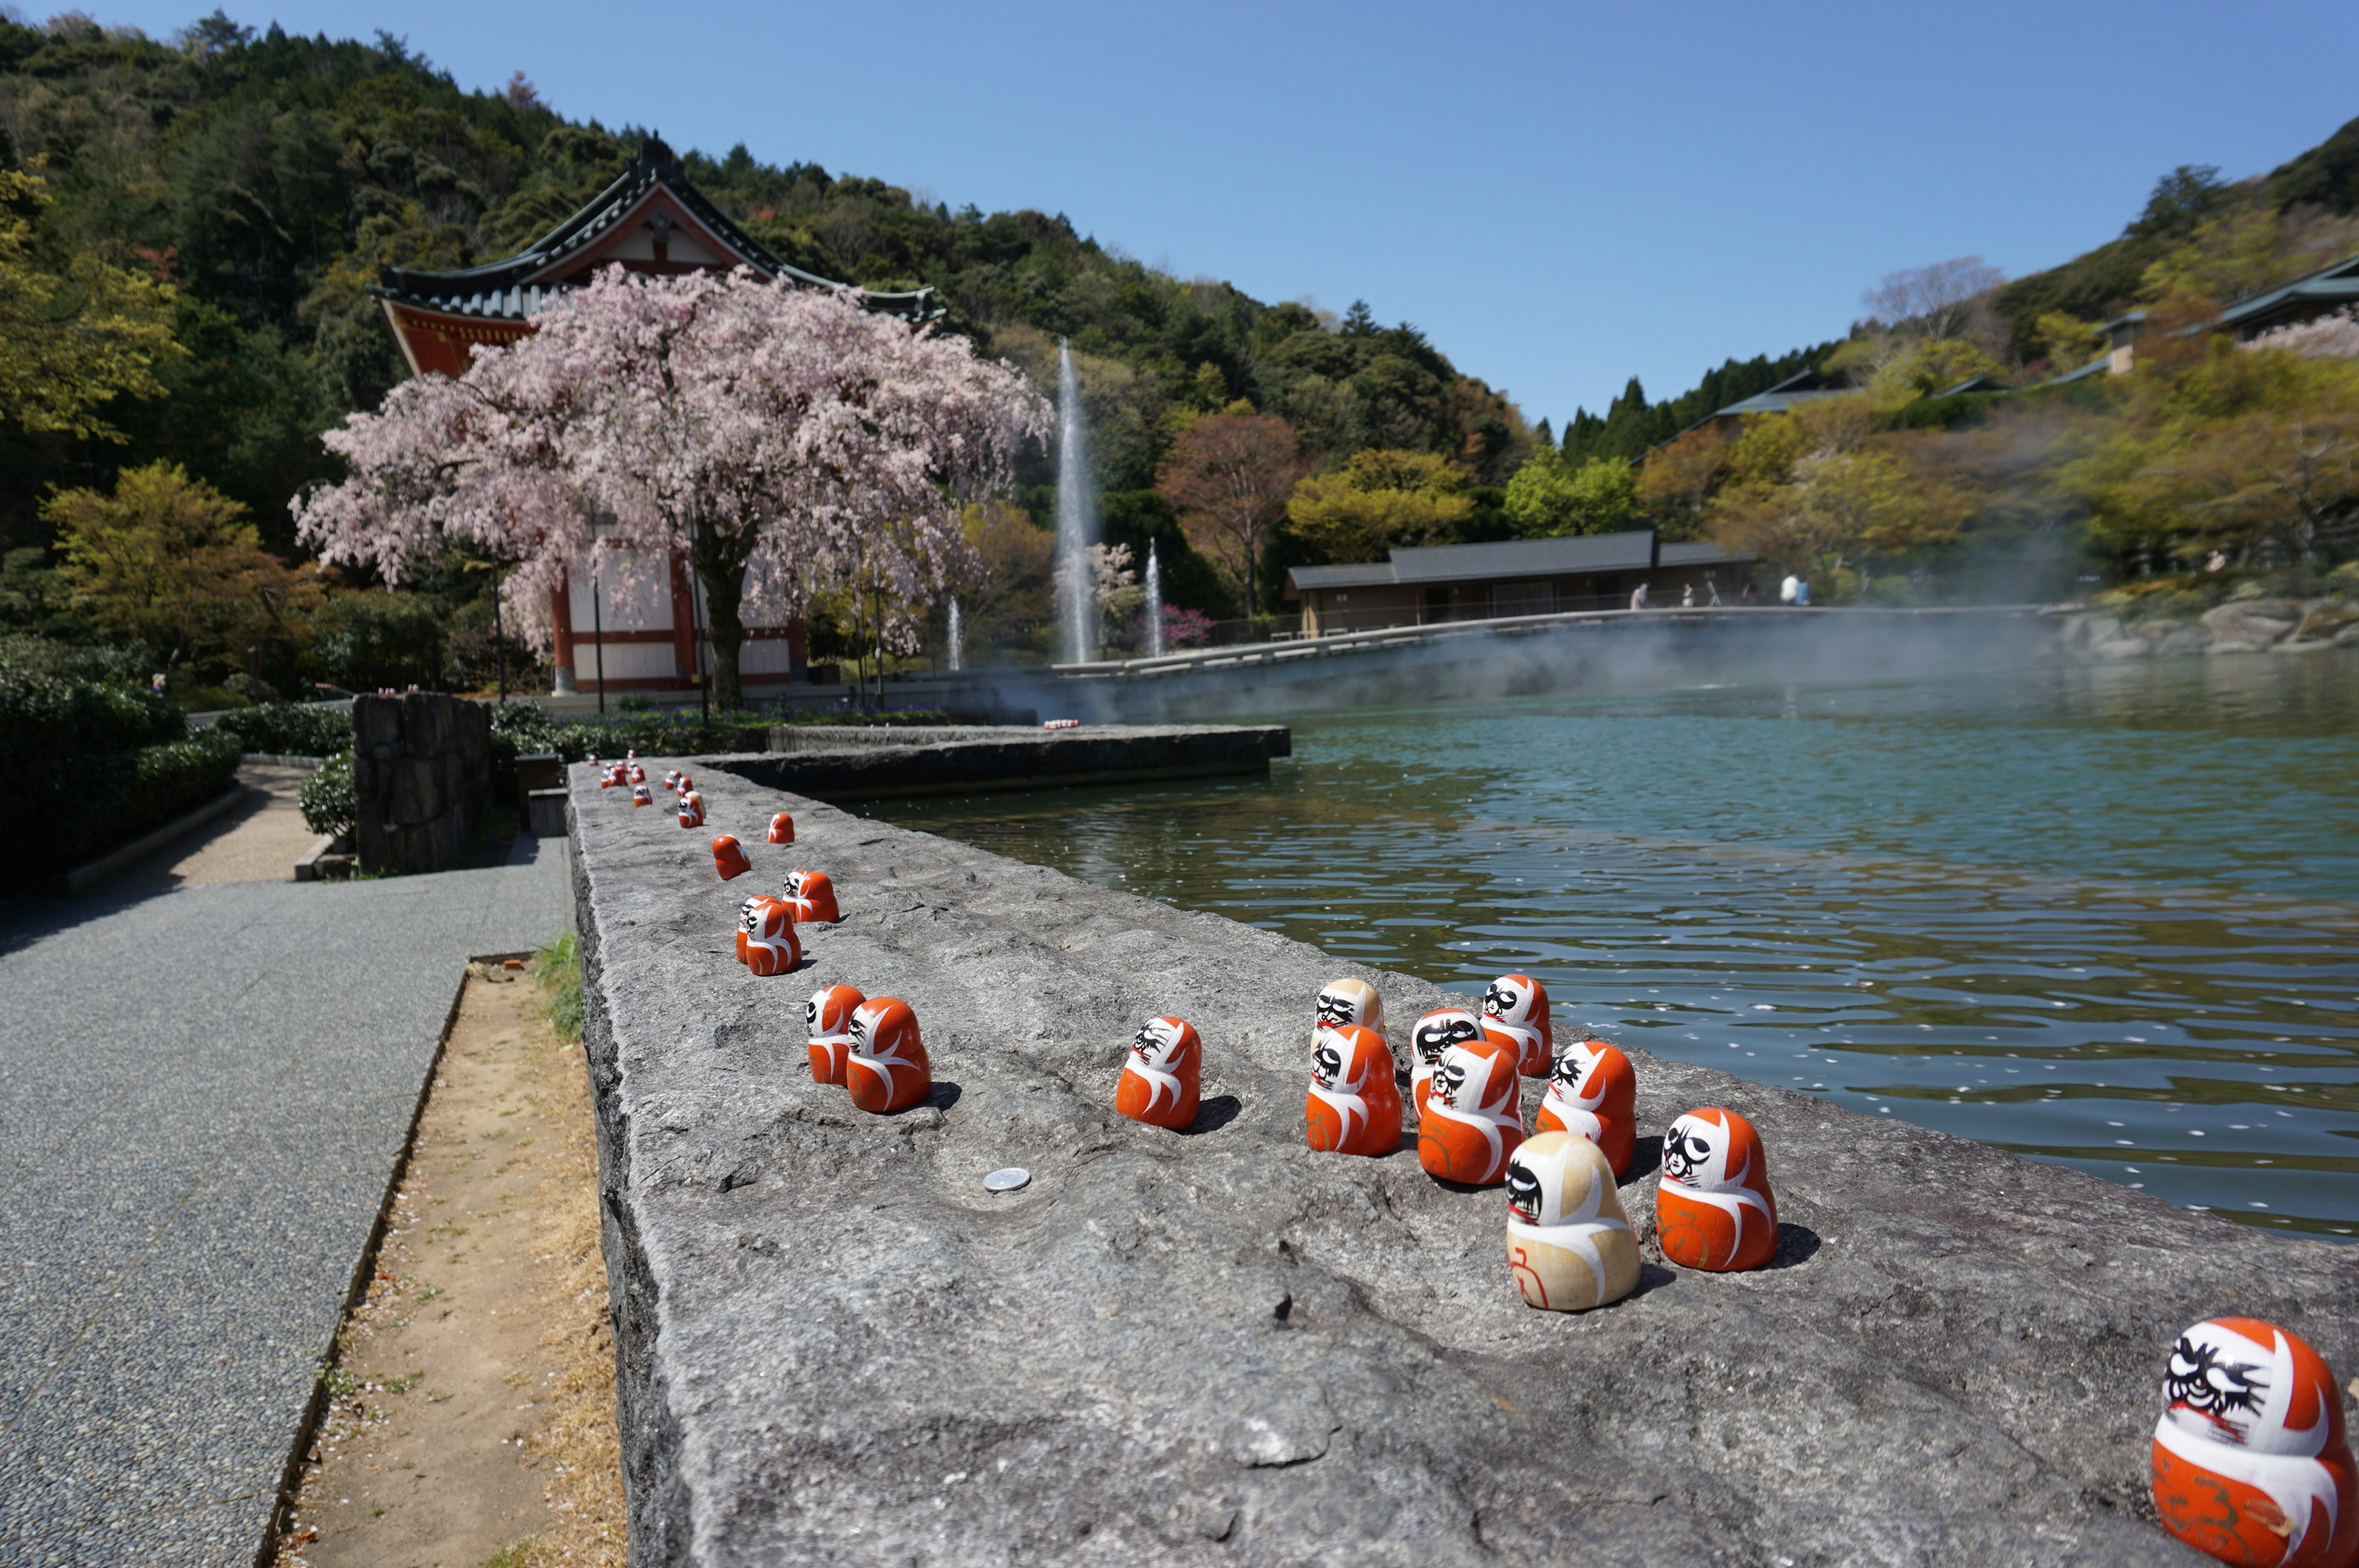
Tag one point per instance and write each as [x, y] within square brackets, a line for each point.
[869, 764]
[1218, 1348]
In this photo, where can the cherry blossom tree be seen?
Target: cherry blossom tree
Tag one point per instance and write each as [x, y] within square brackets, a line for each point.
[782, 440]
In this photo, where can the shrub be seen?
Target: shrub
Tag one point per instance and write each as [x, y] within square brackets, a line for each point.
[47, 719]
[291, 729]
[75, 661]
[58, 817]
[558, 968]
[370, 640]
[327, 798]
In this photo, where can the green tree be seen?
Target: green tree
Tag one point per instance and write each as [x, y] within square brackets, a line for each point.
[1376, 500]
[1554, 494]
[75, 331]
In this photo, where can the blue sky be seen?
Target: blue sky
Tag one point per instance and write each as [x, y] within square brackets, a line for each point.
[1561, 196]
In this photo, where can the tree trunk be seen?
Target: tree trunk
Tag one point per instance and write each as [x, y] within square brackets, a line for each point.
[724, 590]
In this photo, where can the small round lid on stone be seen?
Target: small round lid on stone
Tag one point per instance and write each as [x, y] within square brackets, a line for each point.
[1007, 1179]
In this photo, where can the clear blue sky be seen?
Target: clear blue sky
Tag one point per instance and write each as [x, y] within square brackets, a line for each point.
[1560, 195]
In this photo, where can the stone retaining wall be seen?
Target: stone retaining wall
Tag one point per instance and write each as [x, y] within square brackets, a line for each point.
[421, 771]
[836, 1347]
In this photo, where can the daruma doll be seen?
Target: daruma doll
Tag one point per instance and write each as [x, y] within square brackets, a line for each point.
[813, 898]
[1713, 1210]
[771, 945]
[728, 858]
[1472, 1116]
[1161, 1074]
[2251, 1463]
[827, 1017]
[1593, 1094]
[782, 829]
[1349, 1001]
[1354, 1107]
[888, 1070]
[1435, 1033]
[1569, 1243]
[1516, 1012]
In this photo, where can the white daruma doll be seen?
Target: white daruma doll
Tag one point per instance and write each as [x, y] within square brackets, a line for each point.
[1713, 1210]
[1592, 1093]
[1349, 1001]
[1354, 1107]
[2251, 1463]
[827, 1016]
[1516, 1012]
[782, 829]
[639, 796]
[888, 1070]
[1472, 1117]
[813, 898]
[1435, 1033]
[1569, 1244]
[1162, 1075]
[771, 945]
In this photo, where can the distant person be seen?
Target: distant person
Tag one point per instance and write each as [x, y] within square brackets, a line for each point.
[1712, 588]
[156, 683]
[1751, 595]
[1687, 597]
[1638, 597]
[1802, 592]
[1791, 590]
[2219, 559]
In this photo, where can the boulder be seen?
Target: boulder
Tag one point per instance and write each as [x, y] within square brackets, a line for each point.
[834, 1344]
[2251, 625]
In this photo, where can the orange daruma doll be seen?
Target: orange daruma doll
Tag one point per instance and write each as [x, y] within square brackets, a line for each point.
[1354, 1107]
[1435, 1033]
[749, 919]
[889, 1070]
[1569, 1243]
[728, 858]
[771, 945]
[827, 1017]
[813, 898]
[2251, 1464]
[782, 829]
[1472, 1117]
[1713, 1210]
[691, 810]
[1594, 1093]
[1516, 1012]
[1161, 1074]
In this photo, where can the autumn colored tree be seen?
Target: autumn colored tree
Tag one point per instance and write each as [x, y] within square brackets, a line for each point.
[1229, 476]
[172, 562]
[1379, 499]
[783, 440]
[75, 330]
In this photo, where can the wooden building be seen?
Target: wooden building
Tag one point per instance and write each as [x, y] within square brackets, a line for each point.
[650, 220]
[1424, 586]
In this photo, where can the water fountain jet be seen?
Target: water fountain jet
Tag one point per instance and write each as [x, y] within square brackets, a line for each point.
[1076, 519]
[1154, 604]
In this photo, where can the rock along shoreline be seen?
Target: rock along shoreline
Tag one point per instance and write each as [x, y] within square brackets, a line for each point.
[834, 1345]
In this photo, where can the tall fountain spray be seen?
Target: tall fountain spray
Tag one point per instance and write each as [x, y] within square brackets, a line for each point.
[958, 637]
[1154, 604]
[1077, 523]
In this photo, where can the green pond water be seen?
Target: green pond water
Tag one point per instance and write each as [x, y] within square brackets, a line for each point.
[2105, 917]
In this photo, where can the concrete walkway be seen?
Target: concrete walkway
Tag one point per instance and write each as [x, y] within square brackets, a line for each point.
[204, 1091]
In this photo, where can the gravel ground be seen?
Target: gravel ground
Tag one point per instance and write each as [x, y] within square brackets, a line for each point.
[203, 1093]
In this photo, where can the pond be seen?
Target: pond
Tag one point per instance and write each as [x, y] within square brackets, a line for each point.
[2106, 917]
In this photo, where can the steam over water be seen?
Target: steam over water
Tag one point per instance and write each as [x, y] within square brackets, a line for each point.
[2108, 918]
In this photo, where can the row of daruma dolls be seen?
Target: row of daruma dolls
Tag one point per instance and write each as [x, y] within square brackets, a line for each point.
[628, 775]
[1569, 1245]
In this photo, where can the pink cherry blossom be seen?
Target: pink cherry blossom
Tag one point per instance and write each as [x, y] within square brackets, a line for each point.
[784, 440]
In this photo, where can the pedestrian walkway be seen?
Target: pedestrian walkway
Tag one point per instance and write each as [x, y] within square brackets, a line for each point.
[204, 1091]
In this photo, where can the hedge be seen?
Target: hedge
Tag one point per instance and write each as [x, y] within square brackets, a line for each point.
[291, 729]
[58, 816]
[45, 719]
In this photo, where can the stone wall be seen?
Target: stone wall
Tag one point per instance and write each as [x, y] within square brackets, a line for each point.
[834, 1345]
[421, 772]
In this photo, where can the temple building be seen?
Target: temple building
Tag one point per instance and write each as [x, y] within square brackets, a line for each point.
[1431, 584]
[650, 220]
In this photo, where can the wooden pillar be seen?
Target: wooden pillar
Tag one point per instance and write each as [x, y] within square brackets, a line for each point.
[560, 613]
[683, 622]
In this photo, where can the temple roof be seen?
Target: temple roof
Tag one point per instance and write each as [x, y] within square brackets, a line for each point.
[2329, 289]
[652, 198]
[1564, 556]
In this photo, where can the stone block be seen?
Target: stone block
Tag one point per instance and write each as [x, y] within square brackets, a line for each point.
[413, 791]
[833, 1345]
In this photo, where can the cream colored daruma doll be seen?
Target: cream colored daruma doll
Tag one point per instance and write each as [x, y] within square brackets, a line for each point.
[813, 898]
[2251, 1464]
[1163, 1074]
[1435, 1033]
[1516, 1012]
[827, 1018]
[888, 1070]
[1348, 1001]
[1354, 1107]
[1593, 1094]
[1472, 1117]
[771, 945]
[1569, 1243]
[1713, 1210]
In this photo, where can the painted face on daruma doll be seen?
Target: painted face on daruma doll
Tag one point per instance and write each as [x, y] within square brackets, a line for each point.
[1349, 1001]
[2251, 1461]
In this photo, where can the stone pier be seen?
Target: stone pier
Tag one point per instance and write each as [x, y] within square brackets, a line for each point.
[1219, 1347]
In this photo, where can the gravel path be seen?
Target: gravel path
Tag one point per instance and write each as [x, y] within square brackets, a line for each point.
[202, 1094]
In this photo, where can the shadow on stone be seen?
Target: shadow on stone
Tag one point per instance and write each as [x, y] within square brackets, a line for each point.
[1797, 1245]
[946, 1094]
[1652, 1277]
[1646, 1158]
[1213, 1115]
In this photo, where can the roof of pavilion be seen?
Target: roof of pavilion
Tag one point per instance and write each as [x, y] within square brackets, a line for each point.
[562, 259]
[1591, 553]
